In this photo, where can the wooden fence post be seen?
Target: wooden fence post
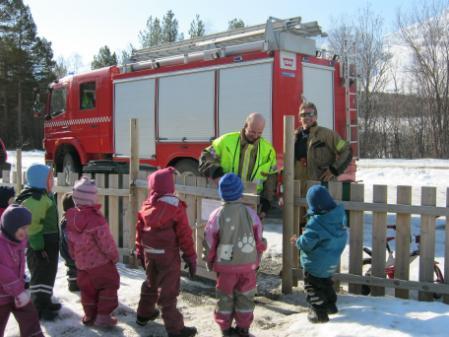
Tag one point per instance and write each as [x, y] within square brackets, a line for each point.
[133, 175]
[427, 242]
[402, 258]
[356, 238]
[289, 146]
[446, 249]
[18, 170]
[379, 231]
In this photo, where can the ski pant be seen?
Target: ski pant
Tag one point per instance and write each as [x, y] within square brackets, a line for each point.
[235, 293]
[162, 287]
[26, 316]
[99, 288]
[43, 271]
[319, 292]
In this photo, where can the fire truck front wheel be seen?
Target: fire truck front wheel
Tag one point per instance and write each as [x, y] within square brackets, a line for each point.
[70, 164]
[187, 167]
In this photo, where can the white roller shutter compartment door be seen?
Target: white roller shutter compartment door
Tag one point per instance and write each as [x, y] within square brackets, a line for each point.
[245, 89]
[319, 88]
[186, 107]
[134, 99]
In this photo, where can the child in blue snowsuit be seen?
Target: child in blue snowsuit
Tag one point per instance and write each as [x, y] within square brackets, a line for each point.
[321, 245]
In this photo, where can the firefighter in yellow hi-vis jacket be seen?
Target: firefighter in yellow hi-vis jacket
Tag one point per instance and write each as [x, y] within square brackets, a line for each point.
[247, 154]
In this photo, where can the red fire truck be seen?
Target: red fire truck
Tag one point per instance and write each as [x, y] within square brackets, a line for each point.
[187, 93]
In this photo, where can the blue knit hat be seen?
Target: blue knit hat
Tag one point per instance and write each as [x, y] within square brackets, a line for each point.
[37, 176]
[319, 200]
[230, 187]
[14, 217]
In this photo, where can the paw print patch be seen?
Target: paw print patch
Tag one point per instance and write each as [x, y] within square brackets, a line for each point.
[247, 244]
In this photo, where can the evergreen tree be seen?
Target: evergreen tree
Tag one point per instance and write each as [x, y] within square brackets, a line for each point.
[104, 58]
[152, 34]
[169, 27]
[26, 63]
[197, 27]
[61, 68]
[235, 23]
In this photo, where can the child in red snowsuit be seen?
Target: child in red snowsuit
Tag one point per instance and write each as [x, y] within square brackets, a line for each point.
[95, 253]
[162, 230]
[13, 296]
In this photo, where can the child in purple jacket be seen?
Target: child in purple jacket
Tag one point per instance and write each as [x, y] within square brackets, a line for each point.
[13, 296]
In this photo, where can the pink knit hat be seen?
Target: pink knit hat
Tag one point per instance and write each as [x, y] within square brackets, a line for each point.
[85, 192]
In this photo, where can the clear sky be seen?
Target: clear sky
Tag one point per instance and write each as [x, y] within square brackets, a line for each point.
[83, 26]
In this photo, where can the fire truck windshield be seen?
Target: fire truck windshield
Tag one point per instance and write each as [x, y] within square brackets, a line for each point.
[58, 101]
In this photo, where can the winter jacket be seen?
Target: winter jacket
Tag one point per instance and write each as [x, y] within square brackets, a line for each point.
[233, 239]
[90, 241]
[64, 249]
[231, 153]
[44, 215]
[323, 241]
[325, 149]
[12, 269]
[163, 229]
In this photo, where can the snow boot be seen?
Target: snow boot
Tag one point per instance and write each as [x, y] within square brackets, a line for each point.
[185, 332]
[73, 286]
[242, 332]
[228, 332]
[317, 316]
[142, 321]
[332, 308]
[54, 306]
[88, 321]
[47, 315]
[105, 321]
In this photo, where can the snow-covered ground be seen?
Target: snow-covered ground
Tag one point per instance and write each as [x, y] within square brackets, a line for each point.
[278, 315]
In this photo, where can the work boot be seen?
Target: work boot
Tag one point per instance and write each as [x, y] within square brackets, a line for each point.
[142, 321]
[228, 332]
[332, 308]
[185, 332]
[105, 321]
[317, 316]
[242, 332]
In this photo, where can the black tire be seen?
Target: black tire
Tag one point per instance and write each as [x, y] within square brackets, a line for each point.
[70, 164]
[187, 167]
[366, 289]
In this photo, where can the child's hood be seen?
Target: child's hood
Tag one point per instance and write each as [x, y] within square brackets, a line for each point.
[161, 213]
[84, 217]
[333, 221]
[161, 183]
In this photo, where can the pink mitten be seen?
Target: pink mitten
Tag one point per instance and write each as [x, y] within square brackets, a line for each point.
[22, 299]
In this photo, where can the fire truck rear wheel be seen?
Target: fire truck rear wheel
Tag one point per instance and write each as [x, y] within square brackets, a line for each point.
[187, 167]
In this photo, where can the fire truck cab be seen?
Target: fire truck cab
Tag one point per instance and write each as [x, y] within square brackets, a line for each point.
[187, 93]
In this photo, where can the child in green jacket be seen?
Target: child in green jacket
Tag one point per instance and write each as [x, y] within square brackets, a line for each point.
[43, 238]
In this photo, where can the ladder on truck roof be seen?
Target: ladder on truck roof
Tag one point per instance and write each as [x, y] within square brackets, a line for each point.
[264, 37]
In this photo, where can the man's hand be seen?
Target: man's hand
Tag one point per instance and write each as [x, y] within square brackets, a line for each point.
[293, 239]
[281, 202]
[327, 175]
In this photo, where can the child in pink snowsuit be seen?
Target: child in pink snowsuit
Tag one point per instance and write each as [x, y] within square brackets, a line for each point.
[95, 253]
[13, 296]
[162, 230]
[233, 247]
